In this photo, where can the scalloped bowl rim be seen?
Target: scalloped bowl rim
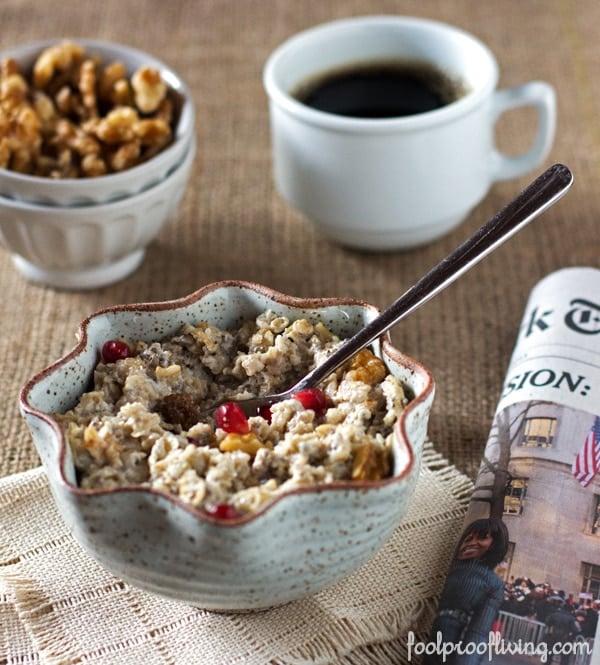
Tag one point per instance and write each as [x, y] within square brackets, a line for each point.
[182, 303]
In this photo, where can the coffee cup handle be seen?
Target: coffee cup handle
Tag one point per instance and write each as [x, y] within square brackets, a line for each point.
[542, 97]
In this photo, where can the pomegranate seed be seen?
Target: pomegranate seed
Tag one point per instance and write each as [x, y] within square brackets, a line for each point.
[115, 349]
[312, 398]
[231, 418]
[222, 511]
[265, 412]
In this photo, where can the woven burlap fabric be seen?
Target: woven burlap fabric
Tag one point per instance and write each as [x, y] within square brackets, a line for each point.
[57, 606]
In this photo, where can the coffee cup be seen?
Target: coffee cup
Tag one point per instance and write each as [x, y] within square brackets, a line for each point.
[393, 178]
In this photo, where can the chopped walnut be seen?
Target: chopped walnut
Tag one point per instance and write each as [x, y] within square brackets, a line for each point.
[149, 89]
[77, 117]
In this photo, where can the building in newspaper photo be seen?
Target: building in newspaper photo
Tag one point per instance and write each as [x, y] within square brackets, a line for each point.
[553, 519]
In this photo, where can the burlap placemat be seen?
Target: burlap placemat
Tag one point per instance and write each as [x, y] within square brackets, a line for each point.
[57, 606]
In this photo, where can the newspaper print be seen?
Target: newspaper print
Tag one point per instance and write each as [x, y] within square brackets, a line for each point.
[524, 582]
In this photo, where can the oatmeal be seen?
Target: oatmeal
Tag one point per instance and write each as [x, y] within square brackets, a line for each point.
[143, 424]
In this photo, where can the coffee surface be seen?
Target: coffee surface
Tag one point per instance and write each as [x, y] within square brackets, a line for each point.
[380, 89]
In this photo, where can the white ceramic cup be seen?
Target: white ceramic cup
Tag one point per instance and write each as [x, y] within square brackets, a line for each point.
[394, 183]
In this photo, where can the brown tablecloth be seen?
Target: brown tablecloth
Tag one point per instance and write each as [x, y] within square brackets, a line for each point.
[232, 224]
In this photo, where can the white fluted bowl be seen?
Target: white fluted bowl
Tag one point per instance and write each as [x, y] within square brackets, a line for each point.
[300, 543]
[89, 246]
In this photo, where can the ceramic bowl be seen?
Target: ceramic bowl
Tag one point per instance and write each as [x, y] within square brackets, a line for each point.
[298, 544]
[111, 187]
[89, 246]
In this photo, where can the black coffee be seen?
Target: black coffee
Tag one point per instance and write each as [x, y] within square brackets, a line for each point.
[380, 89]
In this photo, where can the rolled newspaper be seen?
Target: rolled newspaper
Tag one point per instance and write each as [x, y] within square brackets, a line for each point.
[525, 577]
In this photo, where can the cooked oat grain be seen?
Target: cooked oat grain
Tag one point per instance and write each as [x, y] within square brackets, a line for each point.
[139, 425]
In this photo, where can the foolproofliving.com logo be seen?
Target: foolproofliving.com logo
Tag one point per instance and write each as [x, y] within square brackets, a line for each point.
[495, 646]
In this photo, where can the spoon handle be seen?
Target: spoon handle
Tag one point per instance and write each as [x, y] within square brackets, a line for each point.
[531, 202]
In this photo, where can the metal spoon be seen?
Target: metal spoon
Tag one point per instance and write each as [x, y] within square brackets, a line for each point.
[531, 202]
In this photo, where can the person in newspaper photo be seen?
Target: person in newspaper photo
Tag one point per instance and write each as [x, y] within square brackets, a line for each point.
[563, 626]
[472, 595]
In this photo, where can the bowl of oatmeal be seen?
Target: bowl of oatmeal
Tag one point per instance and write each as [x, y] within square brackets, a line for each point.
[200, 503]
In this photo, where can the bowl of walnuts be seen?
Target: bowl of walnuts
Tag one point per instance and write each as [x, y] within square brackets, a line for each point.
[98, 135]
[200, 503]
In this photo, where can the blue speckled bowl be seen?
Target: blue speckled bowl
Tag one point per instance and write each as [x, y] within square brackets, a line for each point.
[297, 545]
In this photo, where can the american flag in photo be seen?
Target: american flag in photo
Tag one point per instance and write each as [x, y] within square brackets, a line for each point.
[587, 463]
